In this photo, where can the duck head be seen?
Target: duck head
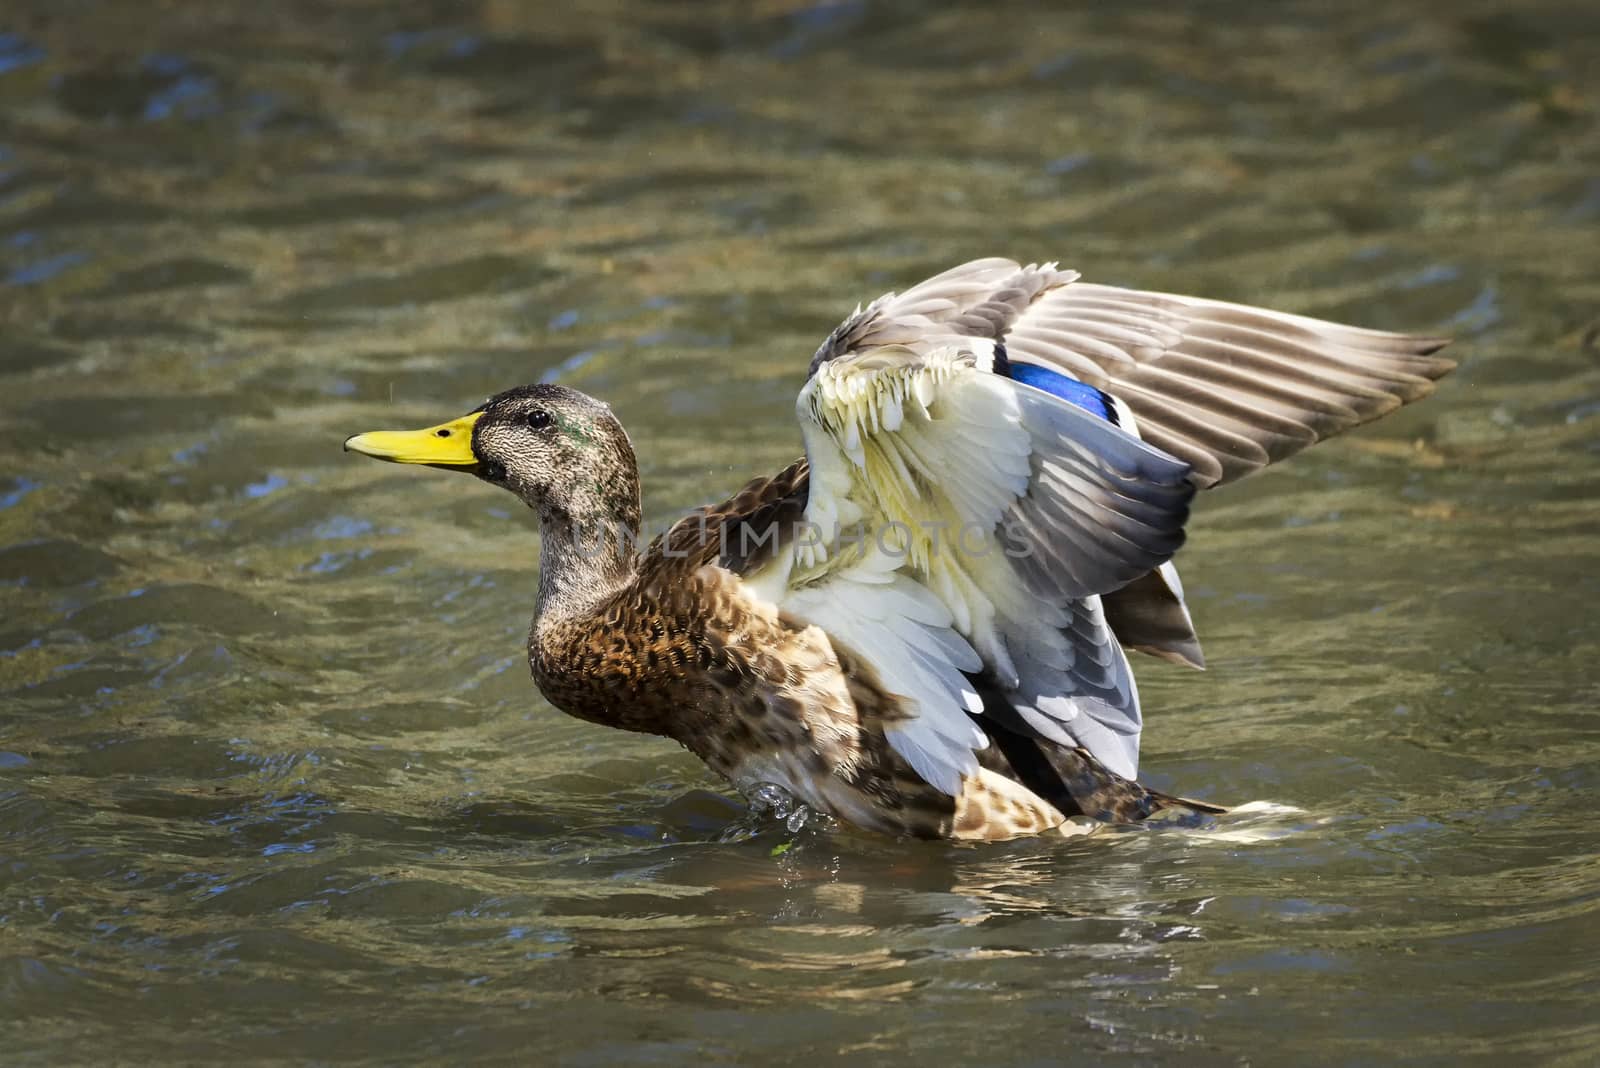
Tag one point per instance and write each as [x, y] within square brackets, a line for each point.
[560, 451]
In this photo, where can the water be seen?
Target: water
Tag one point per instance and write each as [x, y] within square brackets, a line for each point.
[273, 782]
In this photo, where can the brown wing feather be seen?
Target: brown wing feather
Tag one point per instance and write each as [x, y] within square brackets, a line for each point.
[1227, 388]
[1224, 387]
[741, 533]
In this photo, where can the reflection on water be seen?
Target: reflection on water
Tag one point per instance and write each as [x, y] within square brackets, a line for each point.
[272, 776]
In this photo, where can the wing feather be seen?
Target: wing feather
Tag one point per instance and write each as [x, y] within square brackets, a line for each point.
[1226, 387]
[939, 459]
[912, 425]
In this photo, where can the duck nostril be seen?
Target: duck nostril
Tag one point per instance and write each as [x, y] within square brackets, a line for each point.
[442, 433]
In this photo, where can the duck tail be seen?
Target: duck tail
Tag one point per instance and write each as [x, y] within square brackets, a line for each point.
[1102, 794]
[1070, 778]
[1170, 801]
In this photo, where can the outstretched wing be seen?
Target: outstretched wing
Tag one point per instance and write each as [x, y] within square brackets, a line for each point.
[1224, 387]
[980, 502]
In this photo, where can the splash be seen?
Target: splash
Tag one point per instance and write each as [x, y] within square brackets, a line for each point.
[767, 798]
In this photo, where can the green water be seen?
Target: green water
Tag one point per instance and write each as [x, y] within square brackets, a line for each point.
[274, 785]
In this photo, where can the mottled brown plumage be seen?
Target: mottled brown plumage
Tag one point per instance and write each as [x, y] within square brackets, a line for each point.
[683, 650]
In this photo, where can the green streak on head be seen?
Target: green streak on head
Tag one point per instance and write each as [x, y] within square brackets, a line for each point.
[574, 430]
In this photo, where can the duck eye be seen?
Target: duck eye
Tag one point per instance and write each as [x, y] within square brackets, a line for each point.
[538, 419]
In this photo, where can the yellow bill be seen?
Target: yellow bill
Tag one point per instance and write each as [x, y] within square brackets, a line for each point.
[446, 445]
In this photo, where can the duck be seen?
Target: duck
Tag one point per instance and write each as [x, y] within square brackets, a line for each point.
[921, 627]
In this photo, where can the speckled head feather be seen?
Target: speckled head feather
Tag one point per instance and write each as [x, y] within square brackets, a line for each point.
[562, 452]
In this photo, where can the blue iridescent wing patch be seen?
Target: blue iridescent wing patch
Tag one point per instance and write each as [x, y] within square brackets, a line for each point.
[1067, 388]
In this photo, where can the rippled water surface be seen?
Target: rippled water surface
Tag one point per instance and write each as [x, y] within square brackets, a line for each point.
[273, 781]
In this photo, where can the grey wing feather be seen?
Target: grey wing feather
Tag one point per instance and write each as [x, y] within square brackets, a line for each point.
[1224, 387]
[1102, 507]
[1150, 615]
[1086, 697]
[979, 299]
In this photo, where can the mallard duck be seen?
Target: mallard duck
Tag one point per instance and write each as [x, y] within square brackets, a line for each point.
[919, 627]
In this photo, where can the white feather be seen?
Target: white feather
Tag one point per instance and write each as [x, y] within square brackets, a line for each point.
[922, 455]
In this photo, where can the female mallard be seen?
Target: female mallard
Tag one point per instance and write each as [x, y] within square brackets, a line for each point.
[918, 627]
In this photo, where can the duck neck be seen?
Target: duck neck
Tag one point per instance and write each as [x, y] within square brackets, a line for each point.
[584, 561]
